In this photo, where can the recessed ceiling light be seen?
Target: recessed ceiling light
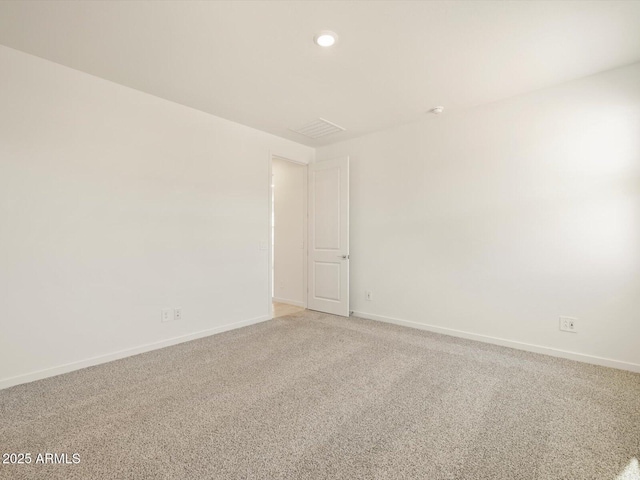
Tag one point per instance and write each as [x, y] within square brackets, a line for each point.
[326, 38]
[437, 110]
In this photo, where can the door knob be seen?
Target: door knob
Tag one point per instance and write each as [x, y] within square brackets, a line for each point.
[344, 257]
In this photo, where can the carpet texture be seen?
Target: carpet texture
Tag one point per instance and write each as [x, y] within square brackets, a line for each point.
[313, 396]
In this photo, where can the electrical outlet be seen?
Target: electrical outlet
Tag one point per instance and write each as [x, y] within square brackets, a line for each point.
[166, 314]
[569, 324]
[368, 296]
[177, 313]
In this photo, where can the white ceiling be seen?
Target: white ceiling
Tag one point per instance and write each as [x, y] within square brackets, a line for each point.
[255, 62]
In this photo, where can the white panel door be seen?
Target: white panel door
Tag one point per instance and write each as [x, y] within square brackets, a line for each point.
[329, 236]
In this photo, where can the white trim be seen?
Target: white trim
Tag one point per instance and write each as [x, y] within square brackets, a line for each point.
[289, 302]
[269, 233]
[290, 160]
[109, 357]
[554, 352]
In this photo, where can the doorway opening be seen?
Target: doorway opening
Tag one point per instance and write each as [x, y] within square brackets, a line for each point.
[288, 266]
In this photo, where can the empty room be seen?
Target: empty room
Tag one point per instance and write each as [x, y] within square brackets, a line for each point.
[262, 240]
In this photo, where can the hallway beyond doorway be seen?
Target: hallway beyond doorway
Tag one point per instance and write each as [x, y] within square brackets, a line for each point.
[283, 309]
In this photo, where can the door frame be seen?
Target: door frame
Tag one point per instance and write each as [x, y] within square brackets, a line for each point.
[305, 228]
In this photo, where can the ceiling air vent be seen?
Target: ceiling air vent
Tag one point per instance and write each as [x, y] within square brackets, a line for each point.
[318, 128]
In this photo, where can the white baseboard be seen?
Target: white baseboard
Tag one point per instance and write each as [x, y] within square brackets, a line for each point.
[289, 302]
[554, 352]
[109, 357]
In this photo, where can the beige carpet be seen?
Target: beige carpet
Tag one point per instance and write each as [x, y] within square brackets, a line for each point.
[323, 397]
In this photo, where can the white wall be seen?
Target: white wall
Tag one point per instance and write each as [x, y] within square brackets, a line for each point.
[289, 180]
[495, 221]
[115, 204]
